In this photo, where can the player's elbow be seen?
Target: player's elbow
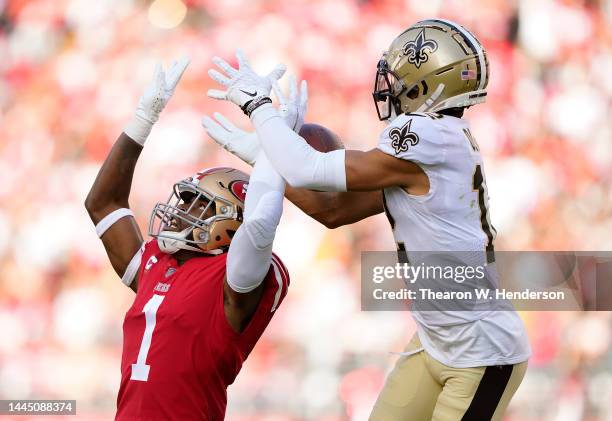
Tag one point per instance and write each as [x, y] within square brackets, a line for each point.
[97, 208]
[243, 279]
[332, 217]
[333, 224]
[335, 220]
[90, 205]
[94, 207]
[261, 232]
[327, 219]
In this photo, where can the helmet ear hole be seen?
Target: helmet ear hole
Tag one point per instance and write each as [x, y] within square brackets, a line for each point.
[413, 93]
[187, 196]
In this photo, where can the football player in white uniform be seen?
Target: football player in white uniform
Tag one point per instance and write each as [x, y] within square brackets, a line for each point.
[461, 365]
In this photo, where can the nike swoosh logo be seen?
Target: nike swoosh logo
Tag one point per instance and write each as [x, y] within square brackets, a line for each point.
[249, 93]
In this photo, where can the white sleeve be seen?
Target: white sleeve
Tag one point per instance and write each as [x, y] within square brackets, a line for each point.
[132, 268]
[300, 164]
[414, 137]
[250, 251]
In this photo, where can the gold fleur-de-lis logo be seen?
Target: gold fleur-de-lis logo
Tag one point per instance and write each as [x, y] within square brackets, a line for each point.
[417, 50]
[402, 137]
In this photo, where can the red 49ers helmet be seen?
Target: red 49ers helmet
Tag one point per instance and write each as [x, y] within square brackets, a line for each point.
[224, 189]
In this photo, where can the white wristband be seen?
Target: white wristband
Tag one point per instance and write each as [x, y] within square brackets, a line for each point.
[138, 129]
[110, 219]
[132, 268]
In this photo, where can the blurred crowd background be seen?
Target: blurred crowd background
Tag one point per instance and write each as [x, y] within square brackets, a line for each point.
[71, 74]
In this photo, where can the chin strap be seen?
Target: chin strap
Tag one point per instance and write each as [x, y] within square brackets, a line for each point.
[432, 98]
[170, 242]
[463, 100]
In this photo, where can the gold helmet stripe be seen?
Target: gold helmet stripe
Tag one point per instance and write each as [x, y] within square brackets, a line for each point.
[475, 44]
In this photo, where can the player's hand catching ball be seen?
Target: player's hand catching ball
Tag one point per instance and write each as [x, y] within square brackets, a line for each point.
[245, 88]
[245, 145]
[292, 108]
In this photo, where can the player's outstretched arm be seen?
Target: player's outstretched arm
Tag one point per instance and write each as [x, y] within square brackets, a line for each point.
[108, 207]
[107, 201]
[250, 252]
[332, 209]
[336, 209]
[297, 162]
[304, 167]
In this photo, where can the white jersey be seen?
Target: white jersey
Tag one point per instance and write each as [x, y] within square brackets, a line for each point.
[452, 217]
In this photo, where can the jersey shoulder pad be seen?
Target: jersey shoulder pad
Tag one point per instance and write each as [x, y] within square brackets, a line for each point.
[413, 137]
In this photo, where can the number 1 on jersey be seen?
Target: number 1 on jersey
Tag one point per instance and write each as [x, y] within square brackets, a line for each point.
[140, 370]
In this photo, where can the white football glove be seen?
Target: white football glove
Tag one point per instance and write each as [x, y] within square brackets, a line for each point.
[154, 99]
[293, 108]
[245, 88]
[245, 145]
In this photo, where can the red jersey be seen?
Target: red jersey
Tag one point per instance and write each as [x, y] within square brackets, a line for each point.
[179, 351]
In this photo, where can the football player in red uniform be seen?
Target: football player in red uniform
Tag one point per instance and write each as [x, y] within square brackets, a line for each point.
[206, 285]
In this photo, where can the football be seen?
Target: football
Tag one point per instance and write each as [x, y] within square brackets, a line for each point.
[320, 138]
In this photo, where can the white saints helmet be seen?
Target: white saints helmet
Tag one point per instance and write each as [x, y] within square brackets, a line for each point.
[433, 65]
